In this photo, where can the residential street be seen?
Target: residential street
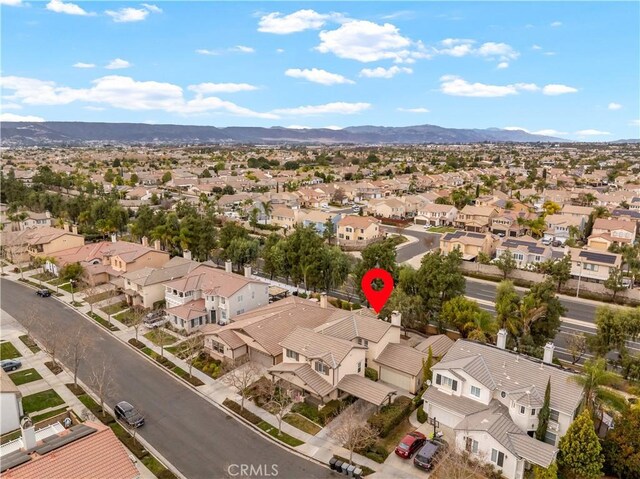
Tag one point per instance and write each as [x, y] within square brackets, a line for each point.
[200, 440]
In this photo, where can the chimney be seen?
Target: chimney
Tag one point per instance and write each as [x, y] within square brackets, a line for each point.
[28, 433]
[228, 266]
[74, 229]
[186, 254]
[156, 245]
[324, 302]
[548, 353]
[114, 238]
[396, 318]
[247, 271]
[145, 241]
[65, 226]
[502, 339]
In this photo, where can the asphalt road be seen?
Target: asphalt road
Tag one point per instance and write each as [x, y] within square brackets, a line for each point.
[199, 439]
[426, 242]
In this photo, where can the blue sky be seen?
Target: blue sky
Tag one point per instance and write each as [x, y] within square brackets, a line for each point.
[564, 69]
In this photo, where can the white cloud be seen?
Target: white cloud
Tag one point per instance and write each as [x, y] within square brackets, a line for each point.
[549, 54]
[340, 108]
[221, 51]
[500, 50]
[117, 64]
[124, 93]
[614, 106]
[152, 8]
[549, 132]
[94, 108]
[366, 41]
[317, 75]
[591, 132]
[294, 22]
[206, 88]
[460, 47]
[204, 51]
[11, 106]
[59, 6]
[634, 123]
[515, 128]
[381, 72]
[242, 49]
[298, 127]
[556, 89]
[456, 86]
[502, 65]
[555, 24]
[333, 127]
[11, 3]
[13, 117]
[413, 110]
[128, 14]
[536, 47]
[401, 14]
[279, 50]
[84, 65]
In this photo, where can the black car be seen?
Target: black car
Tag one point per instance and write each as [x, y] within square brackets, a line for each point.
[128, 413]
[10, 364]
[426, 457]
[45, 293]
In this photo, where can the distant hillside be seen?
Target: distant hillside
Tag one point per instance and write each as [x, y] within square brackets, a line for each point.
[53, 133]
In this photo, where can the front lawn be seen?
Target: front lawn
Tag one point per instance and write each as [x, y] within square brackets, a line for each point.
[76, 289]
[42, 400]
[8, 351]
[46, 276]
[115, 308]
[30, 343]
[160, 337]
[103, 322]
[302, 423]
[25, 376]
[441, 229]
[57, 281]
[283, 436]
[50, 414]
[96, 298]
[128, 317]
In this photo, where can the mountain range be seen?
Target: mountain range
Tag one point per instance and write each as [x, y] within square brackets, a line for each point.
[54, 133]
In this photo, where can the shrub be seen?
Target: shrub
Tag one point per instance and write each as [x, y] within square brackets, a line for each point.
[329, 411]
[376, 452]
[391, 415]
[166, 474]
[136, 343]
[422, 416]
[307, 410]
[371, 373]
[165, 362]
[248, 415]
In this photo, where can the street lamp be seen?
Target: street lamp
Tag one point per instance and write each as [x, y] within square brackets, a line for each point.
[71, 281]
[579, 278]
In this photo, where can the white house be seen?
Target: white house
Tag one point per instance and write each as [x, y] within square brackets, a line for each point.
[10, 404]
[525, 250]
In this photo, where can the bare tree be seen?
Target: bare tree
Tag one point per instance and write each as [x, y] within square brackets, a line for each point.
[456, 465]
[352, 432]
[101, 381]
[162, 339]
[241, 378]
[77, 347]
[577, 346]
[278, 402]
[53, 341]
[137, 320]
[192, 347]
[90, 290]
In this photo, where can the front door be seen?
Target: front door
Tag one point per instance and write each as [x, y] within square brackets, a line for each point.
[212, 316]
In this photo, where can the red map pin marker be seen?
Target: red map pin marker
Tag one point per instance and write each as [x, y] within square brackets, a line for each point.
[377, 299]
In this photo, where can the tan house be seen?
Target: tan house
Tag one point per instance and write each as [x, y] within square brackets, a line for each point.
[559, 227]
[608, 231]
[436, 215]
[476, 218]
[387, 208]
[286, 217]
[594, 266]
[506, 223]
[401, 366]
[356, 232]
[526, 251]
[469, 244]
[22, 246]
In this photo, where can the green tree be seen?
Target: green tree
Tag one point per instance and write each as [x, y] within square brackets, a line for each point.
[595, 381]
[540, 311]
[166, 177]
[242, 251]
[508, 308]
[334, 267]
[614, 282]
[611, 331]
[544, 413]
[71, 271]
[468, 318]
[427, 373]
[580, 453]
[550, 472]
[377, 255]
[506, 263]
[560, 271]
[622, 445]
[253, 218]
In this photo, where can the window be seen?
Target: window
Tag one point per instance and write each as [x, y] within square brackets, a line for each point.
[322, 367]
[550, 438]
[475, 391]
[240, 311]
[553, 415]
[503, 394]
[533, 412]
[239, 298]
[497, 457]
[293, 355]
[360, 366]
[216, 346]
[448, 382]
[474, 446]
[523, 409]
[590, 266]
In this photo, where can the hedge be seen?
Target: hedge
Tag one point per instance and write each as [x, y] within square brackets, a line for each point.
[136, 343]
[422, 416]
[391, 415]
[248, 415]
[371, 373]
[329, 411]
[307, 410]
[376, 452]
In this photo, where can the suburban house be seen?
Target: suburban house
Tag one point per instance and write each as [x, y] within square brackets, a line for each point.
[10, 404]
[286, 217]
[608, 231]
[107, 261]
[401, 366]
[595, 266]
[387, 208]
[22, 246]
[207, 295]
[436, 215]
[491, 398]
[582, 212]
[559, 227]
[469, 244]
[527, 251]
[320, 219]
[89, 449]
[506, 224]
[145, 287]
[438, 343]
[25, 220]
[476, 218]
[358, 231]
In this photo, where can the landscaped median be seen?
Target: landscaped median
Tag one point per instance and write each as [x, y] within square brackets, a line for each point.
[263, 425]
[177, 370]
[155, 466]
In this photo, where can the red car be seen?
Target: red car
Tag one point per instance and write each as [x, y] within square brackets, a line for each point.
[410, 444]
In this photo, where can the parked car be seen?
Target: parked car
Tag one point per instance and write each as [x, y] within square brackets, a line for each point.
[428, 454]
[45, 293]
[10, 364]
[129, 414]
[155, 319]
[410, 444]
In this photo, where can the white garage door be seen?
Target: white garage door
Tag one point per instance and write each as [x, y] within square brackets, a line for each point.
[261, 358]
[396, 378]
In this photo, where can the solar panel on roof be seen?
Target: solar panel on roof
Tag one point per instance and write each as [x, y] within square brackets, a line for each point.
[475, 235]
[599, 257]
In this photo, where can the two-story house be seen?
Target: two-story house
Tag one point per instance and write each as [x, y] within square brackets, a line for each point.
[319, 220]
[587, 265]
[436, 215]
[491, 398]
[559, 227]
[286, 217]
[209, 295]
[21, 246]
[358, 231]
[506, 224]
[527, 251]
[476, 218]
[469, 244]
[387, 208]
[609, 231]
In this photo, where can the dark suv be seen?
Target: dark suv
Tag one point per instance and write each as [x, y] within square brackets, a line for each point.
[128, 413]
[45, 293]
[428, 454]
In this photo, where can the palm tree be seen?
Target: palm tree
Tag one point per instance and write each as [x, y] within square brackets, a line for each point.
[267, 208]
[594, 381]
